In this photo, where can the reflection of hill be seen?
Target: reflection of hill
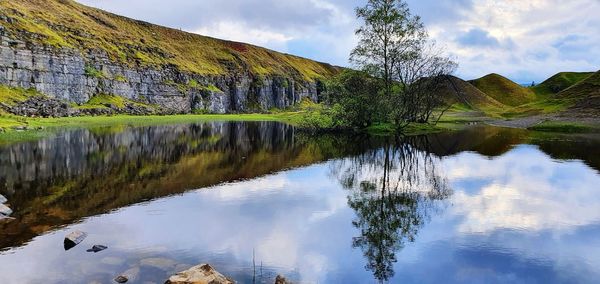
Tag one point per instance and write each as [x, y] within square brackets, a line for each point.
[487, 141]
[84, 173]
[495, 141]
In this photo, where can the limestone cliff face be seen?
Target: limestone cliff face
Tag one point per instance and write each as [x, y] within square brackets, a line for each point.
[74, 76]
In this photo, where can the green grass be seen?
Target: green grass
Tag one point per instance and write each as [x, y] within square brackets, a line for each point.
[66, 23]
[560, 82]
[12, 96]
[504, 90]
[566, 127]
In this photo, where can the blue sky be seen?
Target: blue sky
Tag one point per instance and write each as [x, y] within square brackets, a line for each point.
[523, 40]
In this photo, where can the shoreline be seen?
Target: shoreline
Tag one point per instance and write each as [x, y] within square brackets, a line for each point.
[19, 129]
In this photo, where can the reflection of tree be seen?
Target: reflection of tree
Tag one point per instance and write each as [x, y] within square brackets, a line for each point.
[393, 191]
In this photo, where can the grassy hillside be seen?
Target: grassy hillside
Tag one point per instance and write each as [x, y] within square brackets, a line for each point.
[585, 94]
[458, 91]
[560, 82]
[504, 90]
[65, 23]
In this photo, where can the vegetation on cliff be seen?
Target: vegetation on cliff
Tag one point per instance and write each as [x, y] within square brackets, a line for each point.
[67, 24]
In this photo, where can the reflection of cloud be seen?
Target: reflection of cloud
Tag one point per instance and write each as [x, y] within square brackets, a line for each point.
[524, 192]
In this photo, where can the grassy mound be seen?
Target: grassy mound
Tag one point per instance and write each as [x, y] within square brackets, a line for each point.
[560, 82]
[458, 91]
[67, 24]
[504, 90]
[585, 94]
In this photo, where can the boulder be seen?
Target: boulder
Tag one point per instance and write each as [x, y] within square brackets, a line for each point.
[73, 239]
[3, 199]
[200, 274]
[5, 210]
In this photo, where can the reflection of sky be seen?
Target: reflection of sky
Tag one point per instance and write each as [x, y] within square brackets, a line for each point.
[521, 217]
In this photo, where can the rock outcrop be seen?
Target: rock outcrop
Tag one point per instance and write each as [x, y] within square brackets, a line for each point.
[81, 52]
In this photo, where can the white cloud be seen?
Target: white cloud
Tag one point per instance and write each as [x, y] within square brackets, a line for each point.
[237, 31]
[529, 32]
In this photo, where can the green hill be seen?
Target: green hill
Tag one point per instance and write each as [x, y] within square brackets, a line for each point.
[560, 82]
[585, 95]
[67, 24]
[458, 91]
[504, 90]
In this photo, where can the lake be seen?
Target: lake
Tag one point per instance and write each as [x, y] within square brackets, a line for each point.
[258, 199]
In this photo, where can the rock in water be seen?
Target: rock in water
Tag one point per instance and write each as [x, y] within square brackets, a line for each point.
[74, 238]
[97, 248]
[2, 198]
[129, 275]
[281, 280]
[4, 210]
[199, 274]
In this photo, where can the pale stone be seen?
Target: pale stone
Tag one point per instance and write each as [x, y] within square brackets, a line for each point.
[5, 210]
[74, 238]
[200, 274]
[2, 198]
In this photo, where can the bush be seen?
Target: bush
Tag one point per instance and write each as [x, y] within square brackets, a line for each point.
[358, 99]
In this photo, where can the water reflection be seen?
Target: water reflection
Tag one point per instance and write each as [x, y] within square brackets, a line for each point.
[88, 172]
[484, 205]
[393, 191]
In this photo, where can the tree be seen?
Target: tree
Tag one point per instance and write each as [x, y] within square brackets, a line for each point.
[356, 93]
[394, 46]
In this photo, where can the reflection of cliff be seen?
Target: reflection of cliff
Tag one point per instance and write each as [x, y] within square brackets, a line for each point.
[85, 173]
[393, 191]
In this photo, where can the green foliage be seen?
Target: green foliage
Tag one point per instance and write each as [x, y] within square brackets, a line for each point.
[212, 88]
[358, 97]
[120, 78]
[325, 119]
[91, 71]
[193, 84]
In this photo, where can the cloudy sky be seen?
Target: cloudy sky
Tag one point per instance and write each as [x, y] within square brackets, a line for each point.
[523, 40]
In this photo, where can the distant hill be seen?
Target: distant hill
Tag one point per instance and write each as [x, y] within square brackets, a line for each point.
[560, 82]
[458, 91]
[504, 90]
[585, 94]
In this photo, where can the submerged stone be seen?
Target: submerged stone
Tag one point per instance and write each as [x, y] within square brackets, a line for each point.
[73, 239]
[199, 274]
[129, 275]
[121, 279]
[97, 248]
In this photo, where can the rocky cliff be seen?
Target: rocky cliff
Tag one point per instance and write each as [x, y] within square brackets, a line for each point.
[72, 53]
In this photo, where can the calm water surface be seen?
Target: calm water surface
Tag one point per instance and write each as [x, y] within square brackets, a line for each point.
[484, 205]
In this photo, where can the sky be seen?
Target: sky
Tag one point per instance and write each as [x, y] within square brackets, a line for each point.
[522, 40]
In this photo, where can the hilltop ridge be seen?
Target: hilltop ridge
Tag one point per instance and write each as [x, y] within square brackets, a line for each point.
[77, 54]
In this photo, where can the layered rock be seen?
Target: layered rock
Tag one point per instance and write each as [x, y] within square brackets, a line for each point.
[75, 76]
